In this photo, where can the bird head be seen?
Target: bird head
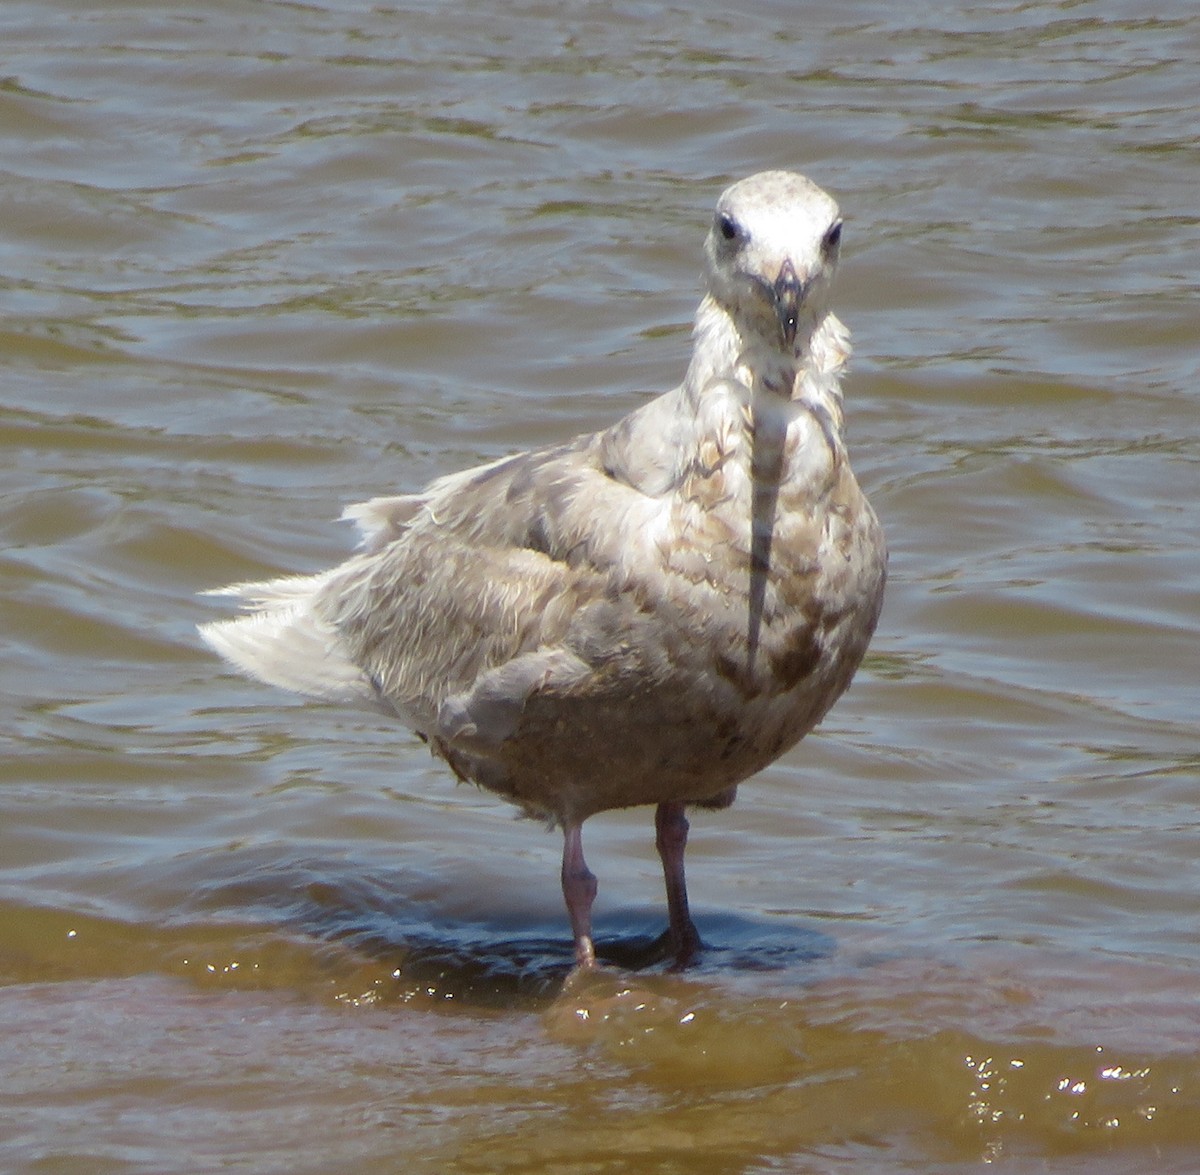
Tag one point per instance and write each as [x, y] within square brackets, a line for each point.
[771, 254]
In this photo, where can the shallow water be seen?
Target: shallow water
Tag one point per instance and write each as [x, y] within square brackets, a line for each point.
[258, 260]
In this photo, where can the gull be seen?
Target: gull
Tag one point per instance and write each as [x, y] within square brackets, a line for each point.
[649, 614]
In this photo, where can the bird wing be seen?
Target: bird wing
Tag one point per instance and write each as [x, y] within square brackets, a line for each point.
[467, 590]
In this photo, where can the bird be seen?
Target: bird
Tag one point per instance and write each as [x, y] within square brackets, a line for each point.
[644, 615]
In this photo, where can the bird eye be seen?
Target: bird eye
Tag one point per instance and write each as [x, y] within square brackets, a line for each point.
[728, 227]
[833, 238]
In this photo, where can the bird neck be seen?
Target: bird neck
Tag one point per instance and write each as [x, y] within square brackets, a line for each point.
[759, 369]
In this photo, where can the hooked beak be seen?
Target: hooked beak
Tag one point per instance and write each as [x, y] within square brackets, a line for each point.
[788, 293]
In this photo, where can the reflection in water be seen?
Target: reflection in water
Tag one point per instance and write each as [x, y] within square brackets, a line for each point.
[500, 962]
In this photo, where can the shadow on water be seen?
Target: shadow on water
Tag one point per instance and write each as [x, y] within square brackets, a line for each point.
[513, 958]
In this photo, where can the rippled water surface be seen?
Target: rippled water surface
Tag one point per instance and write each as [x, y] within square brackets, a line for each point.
[261, 259]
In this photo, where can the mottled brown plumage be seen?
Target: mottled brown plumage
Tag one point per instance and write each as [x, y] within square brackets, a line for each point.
[646, 615]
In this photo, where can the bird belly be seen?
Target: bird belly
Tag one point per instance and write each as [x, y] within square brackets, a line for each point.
[675, 707]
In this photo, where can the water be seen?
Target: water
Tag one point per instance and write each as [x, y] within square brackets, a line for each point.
[258, 260]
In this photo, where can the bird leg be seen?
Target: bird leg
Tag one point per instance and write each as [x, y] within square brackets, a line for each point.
[579, 891]
[671, 833]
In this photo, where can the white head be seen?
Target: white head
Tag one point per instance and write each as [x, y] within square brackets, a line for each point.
[771, 254]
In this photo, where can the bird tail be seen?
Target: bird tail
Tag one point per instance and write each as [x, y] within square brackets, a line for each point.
[284, 642]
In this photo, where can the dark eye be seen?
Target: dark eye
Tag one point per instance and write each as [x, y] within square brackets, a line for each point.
[728, 227]
[833, 238]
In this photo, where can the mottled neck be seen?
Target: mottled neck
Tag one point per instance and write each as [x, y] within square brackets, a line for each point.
[761, 370]
[724, 352]
[774, 386]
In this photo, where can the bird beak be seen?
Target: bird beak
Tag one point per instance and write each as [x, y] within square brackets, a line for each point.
[788, 292]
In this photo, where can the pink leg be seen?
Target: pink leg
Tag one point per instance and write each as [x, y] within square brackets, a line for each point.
[671, 832]
[579, 891]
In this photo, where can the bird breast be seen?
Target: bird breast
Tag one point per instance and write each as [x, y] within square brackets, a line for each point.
[662, 615]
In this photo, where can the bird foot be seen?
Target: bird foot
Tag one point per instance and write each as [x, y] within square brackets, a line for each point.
[680, 945]
[585, 953]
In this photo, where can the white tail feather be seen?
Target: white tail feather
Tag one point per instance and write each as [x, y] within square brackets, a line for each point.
[284, 643]
[382, 520]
